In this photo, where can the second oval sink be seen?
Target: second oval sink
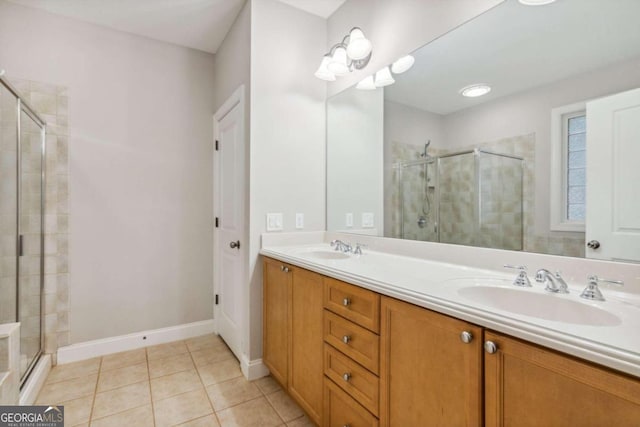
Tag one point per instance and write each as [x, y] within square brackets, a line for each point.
[542, 306]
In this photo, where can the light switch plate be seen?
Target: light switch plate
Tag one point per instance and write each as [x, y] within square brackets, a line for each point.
[274, 222]
[299, 220]
[348, 220]
[367, 220]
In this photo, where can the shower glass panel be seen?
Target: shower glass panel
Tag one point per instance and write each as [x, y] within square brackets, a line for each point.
[418, 199]
[8, 205]
[458, 198]
[31, 261]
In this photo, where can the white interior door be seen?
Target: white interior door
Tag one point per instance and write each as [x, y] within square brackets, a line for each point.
[229, 243]
[613, 177]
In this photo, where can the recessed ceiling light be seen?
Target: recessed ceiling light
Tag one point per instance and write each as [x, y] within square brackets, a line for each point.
[536, 2]
[473, 91]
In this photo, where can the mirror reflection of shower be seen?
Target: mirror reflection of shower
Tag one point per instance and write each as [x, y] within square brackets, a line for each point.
[423, 219]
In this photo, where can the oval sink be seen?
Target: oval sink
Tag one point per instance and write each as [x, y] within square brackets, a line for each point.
[320, 254]
[548, 307]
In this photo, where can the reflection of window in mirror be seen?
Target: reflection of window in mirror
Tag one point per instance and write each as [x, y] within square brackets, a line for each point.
[568, 168]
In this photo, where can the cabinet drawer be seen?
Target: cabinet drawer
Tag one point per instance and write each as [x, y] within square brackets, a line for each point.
[361, 384]
[341, 410]
[356, 304]
[355, 341]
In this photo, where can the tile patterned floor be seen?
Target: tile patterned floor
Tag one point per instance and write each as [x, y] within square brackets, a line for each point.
[195, 383]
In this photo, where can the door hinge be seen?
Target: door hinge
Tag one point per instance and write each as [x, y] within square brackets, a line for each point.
[217, 299]
[20, 245]
[217, 222]
[217, 145]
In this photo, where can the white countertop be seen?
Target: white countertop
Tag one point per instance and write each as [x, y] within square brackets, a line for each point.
[431, 284]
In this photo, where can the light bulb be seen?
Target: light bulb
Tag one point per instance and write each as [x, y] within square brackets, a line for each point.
[403, 64]
[359, 46]
[384, 78]
[366, 84]
[323, 72]
[338, 64]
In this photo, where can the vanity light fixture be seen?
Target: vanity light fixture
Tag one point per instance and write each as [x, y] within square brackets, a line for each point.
[403, 64]
[536, 2]
[352, 53]
[475, 90]
[367, 84]
[384, 77]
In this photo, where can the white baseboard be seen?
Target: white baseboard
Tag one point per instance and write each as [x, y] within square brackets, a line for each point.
[36, 380]
[89, 349]
[253, 369]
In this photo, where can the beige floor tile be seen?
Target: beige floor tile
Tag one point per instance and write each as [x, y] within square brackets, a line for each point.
[73, 370]
[170, 365]
[267, 384]
[77, 411]
[212, 354]
[303, 421]
[166, 350]
[208, 421]
[285, 406]
[138, 417]
[120, 377]
[126, 358]
[178, 383]
[254, 413]
[230, 393]
[56, 393]
[220, 371]
[81, 425]
[182, 408]
[121, 399]
[204, 341]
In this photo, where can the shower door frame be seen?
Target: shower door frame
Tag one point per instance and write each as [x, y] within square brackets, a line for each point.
[23, 106]
[401, 166]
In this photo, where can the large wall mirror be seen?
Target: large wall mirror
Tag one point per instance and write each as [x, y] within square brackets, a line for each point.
[547, 161]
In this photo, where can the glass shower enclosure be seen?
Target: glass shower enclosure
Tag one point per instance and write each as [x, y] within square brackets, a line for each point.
[470, 198]
[22, 183]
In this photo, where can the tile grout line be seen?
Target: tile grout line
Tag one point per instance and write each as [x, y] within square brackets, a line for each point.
[153, 409]
[215, 415]
[95, 392]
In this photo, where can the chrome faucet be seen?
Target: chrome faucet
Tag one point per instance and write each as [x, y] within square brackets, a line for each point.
[358, 249]
[341, 246]
[553, 282]
[592, 292]
[522, 279]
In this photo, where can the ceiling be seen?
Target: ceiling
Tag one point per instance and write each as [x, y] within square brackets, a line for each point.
[515, 47]
[198, 24]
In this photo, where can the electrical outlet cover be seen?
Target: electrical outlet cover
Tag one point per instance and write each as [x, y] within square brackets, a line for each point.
[348, 221]
[274, 222]
[367, 220]
[299, 220]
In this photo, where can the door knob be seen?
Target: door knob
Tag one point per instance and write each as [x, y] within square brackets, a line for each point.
[235, 245]
[593, 244]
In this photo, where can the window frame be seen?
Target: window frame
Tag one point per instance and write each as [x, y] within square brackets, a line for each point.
[559, 167]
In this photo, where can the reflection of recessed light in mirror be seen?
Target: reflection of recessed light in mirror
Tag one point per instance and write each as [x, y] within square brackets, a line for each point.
[536, 2]
[476, 90]
[403, 64]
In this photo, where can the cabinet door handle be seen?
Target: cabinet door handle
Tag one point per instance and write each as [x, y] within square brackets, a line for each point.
[346, 339]
[283, 268]
[490, 347]
[346, 376]
[346, 302]
[466, 337]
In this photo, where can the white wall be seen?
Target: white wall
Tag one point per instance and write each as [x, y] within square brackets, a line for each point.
[287, 130]
[396, 28]
[530, 112]
[140, 169]
[355, 158]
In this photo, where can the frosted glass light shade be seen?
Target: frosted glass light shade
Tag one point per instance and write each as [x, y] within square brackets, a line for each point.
[475, 90]
[338, 64]
[536, 2]
[403, 64]
[359, 46]
[384, 78]
[323, 72]
[366, 84]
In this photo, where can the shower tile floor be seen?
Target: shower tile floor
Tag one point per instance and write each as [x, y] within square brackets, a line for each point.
[196, 382]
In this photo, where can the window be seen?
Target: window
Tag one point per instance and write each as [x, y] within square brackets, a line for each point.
[568, 168]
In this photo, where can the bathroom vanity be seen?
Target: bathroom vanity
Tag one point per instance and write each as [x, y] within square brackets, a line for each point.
[389, 340]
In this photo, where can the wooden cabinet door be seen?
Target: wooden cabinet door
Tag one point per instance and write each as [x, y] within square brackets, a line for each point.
[428, 376]
[276, 290]
[306, 342]
[526, 385]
